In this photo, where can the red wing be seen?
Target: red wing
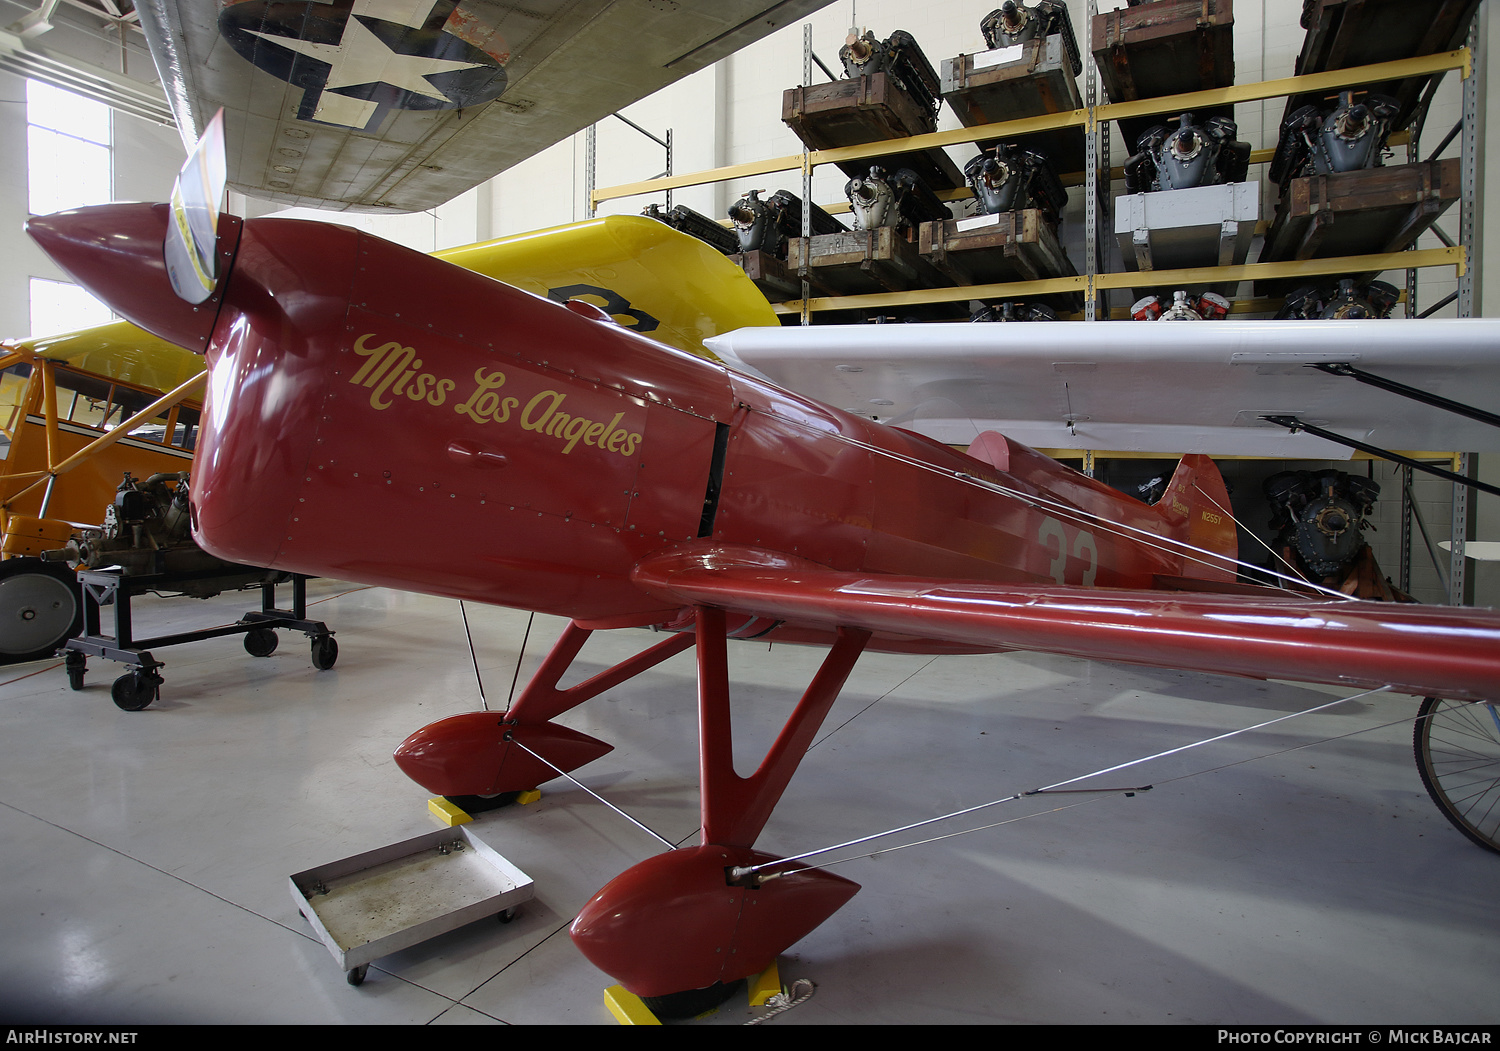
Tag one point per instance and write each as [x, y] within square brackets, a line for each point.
[1440, 650]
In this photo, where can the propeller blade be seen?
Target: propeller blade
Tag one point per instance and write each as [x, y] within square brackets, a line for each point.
[191, 241]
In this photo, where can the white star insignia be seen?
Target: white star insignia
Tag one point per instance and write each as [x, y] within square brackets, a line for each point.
[360, 57]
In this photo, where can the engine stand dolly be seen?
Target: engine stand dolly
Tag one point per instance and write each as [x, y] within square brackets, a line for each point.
[136, 689]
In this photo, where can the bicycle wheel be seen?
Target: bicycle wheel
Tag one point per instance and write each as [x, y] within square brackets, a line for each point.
[1458, 754]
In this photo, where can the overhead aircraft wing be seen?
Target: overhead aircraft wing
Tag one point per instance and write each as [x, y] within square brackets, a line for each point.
[1443, 650]
[400, 105]
[1164, 387]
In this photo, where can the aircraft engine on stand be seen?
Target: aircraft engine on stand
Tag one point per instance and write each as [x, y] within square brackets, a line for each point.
[1210, 306]
[1015, 23]
[1319, 518]
[1187, 155]
[901, 200]
[767, 225]
[1349, 300]
[1349, 137]
[147, 532]
[898, 56]
[1008, 178]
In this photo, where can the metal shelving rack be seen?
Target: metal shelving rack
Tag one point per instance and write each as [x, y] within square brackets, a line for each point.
[1093, 121]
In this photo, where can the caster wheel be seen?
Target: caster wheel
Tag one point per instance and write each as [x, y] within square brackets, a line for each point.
[135, 690]
[357, 975]
[324, 652]
[261, 642]
[77, 664]
[509, 914]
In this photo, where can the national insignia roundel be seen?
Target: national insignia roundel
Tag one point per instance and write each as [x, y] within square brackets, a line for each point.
[357, 59]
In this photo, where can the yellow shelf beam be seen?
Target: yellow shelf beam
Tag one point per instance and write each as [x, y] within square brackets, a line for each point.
[1296, 268]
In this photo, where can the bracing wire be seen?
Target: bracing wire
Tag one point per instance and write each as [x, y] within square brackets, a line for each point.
[638, 824]
[514, 679]
[756, 869]
[1277, 555]
[479, 679]
[1170, 545]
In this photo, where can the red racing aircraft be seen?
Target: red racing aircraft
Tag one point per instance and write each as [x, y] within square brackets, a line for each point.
[365, 399]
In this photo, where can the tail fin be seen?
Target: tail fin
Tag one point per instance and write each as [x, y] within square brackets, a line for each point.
[1195, 507]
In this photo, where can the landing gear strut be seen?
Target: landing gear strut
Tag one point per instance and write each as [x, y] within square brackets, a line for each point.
[676, 922]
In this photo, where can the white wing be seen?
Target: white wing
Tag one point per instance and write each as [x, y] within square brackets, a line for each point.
[1167, 387]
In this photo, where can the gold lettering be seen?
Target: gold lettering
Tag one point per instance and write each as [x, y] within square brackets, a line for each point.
[373, 357]
[609, 429]
[412, 371]
[418, 390]
[575, 432]
[390, 370]
[541, 422]
[481, 403]
[405, 354]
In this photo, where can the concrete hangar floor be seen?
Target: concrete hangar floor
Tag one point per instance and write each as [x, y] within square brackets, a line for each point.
[144, 856]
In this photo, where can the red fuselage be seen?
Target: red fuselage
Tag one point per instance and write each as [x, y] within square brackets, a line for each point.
[381, 416]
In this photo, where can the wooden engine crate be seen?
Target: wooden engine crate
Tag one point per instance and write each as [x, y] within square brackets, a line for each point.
[1357, 213]
[868, 109]
[1022, 80]
[1169, 47]
[771, 276]
[1008, 246]
[1345, 33]
[856, 262]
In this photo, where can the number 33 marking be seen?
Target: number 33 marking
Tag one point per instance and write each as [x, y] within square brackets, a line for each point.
[1083, 547]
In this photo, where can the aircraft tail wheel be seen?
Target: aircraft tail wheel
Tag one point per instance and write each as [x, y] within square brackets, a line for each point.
[324, 652]
[260, 642]
[136, 690]
[1458, 754]
[39, 609]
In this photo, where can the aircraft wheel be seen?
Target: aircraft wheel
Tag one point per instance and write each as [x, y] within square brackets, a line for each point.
[472, 805]
[135, 690]
[1458, 755]
[692, 1002]
[39, 609]
[260, 642]
[324, 652]
[356, 975]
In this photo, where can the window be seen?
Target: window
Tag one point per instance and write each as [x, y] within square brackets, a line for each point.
[61, 306]
[68, 150]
